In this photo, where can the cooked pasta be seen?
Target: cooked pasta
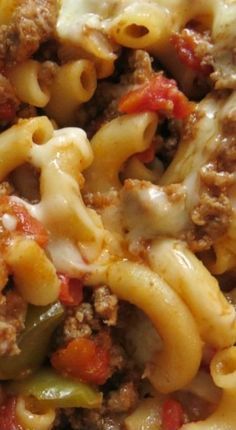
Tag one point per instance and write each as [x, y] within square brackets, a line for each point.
[141, 287]
[74, 84]
[117, 214]
[31, 420]
[223, 373]
[186, 270]
[25, 79]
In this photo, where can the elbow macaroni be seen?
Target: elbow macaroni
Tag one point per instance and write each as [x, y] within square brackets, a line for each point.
[141, 287]
[192, 281]
[124, 136]
[73, 85]
[25, 79]
[223, 373]
[30, 420]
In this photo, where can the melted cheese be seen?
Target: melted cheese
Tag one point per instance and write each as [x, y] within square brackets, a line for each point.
[76, 16]
[9, 222]
[76, 233]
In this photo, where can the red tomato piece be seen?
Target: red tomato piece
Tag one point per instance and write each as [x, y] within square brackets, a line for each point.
[25, 222]
[84, 359]
[7, 415]
[172, 415]
[71, 292]
[160, 94]
[185, 44]
[29, 225]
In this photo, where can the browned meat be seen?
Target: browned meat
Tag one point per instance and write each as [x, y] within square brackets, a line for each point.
[124, 399]
[211, 177]
[140, 68]
[12, 317]
[87, 420]
[79, 323]
[108, 417]
[87, 318]
[212, 218]
[32, 22]
[7, 99]
[105, 305]
[213, 213]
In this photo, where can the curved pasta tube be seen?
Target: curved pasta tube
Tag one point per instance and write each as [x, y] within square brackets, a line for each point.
[16, 142]
[113, 144]
[76, 232]
[215, 317]
[34, 274]
[189, 158]
[61, 208]
[223, 371]
[178, 362]
[74, 84]
[25, 79]
[140, 25]
[104, 67]
[72, 225]
[135, 169]
[31, 420]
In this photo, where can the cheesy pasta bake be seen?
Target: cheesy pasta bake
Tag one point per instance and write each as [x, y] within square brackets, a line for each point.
[117, 214]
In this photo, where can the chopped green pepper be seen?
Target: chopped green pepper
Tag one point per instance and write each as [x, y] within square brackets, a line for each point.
[54, 390]
[33, 342]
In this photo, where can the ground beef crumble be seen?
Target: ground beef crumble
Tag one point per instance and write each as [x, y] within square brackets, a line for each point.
[118, 404]
[95, 317]
[124, 399]
[212, 215]
[105, 305]
[89, 318]
[12, 317]
[7, 94]
[32, 23]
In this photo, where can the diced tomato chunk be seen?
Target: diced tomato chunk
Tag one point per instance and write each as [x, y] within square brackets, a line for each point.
[71, 292]
[84, 359]
[7, 415]
[29, 225]
[26, 224]
[161, 95]
[172, 415]
[185, 44]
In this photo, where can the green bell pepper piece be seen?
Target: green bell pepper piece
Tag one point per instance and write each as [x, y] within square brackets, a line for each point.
[33, 342]
[54, 390]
